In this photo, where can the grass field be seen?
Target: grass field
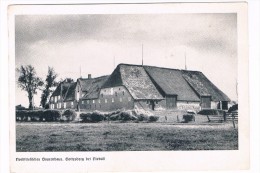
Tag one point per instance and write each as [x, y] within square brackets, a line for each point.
[37, 137]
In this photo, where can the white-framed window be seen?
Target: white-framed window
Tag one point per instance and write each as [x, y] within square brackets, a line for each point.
[71, 104]
[113, 100]
[87, 101]
[93, 101]
[129, 99]
[64, 105]
[59, 105]
[112, 91]
[105, 100]
[58, 97]
[120, 99]
[98, 100]
[55, 99]
[82, 102]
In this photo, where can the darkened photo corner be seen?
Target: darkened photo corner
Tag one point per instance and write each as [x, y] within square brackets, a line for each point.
[126, 82]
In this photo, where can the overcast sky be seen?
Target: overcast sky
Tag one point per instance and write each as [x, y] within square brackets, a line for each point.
[92, 42]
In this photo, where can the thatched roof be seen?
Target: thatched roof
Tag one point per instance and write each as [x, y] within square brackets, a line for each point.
[65, 86]
[135, 79]
[171, 82]
[200, 83]
[93, 88]
[70, 94]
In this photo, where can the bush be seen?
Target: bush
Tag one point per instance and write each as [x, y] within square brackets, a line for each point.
[69, 115]
[188, 117]
[153, 118]
[51, 115]
[143, 117]
[85, 117]
[127, 116]
[27, 115]
[92, 117]
[97, 116]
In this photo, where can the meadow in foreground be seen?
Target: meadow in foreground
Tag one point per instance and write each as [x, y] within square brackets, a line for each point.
[38, 137]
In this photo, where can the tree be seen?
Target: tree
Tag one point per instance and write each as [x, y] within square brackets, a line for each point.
[29, 82]
[50, 82]
[69, 80]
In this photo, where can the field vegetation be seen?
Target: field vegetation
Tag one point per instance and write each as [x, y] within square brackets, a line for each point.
[114, 136]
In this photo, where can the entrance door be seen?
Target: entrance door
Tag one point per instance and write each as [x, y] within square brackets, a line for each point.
[171, 102]
[205, 102]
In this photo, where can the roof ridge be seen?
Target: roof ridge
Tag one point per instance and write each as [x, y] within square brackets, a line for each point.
[158, 67]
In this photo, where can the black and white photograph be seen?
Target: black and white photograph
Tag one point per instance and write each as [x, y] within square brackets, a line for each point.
[128, 81]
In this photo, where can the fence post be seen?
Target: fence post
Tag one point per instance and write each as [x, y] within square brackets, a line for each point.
[233, 120]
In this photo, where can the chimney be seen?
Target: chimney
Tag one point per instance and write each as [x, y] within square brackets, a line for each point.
[89, 76]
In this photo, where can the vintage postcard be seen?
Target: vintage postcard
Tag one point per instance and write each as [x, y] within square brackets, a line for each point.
[128, 87]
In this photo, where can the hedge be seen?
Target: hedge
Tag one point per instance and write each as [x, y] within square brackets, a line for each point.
[69, 115]
[38, 115]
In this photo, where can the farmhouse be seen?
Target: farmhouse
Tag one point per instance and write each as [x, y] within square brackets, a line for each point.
[146, 87]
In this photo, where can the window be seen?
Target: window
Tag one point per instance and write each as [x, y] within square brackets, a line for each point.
[95, 106]
[156, 102]
[129, 99]
[93, 101]
[72, 104]
[55, 99]
[112, 91]
[112, 100]
[147, 102]
[123, 92]
[98, 100]
[102, 95]
[82, 102]
[115, 93]
[119, 89]
[105, 100]
[64, 105]
[60, 105]
[58, 97]
[120, 99]
[87, 101]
